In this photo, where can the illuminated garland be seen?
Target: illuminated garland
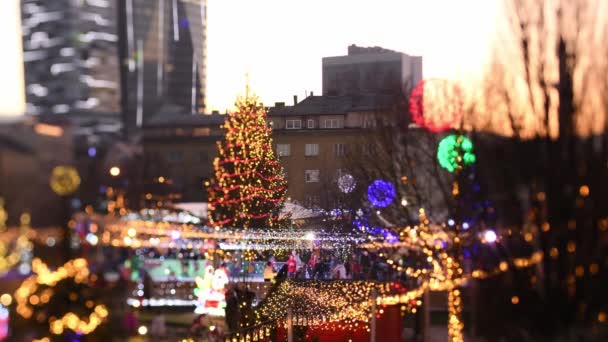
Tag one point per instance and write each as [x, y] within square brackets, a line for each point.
[144, 234]
[314, 303]
[249, 186]
[27, 299]
[455, 324]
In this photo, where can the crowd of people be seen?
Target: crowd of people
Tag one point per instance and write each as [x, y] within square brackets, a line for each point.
[325, 266]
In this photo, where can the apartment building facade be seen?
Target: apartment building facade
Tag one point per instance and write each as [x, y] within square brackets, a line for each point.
[317, 138]
[314, 138]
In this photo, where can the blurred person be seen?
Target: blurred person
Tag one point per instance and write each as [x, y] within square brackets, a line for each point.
[158, 327]
[355, 269]
[292, 267]
[299, 263]
[339, 271]
[312, 265]
[333, 262]
[131, 322]
[268, 272]
[272, 259]
[232, 308]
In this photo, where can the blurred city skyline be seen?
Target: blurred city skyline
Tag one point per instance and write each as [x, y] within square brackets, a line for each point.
[280, 44]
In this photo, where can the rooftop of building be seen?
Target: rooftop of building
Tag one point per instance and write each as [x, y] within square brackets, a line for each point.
[181, 120]
[362, 54]
[327, 105]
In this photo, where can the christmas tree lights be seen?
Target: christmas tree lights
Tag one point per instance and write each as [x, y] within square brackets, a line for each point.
[249, 185]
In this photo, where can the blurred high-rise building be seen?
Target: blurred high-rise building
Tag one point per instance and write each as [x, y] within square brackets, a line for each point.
[70, 56]
[137, 58]
[370, 70]
[164, 58]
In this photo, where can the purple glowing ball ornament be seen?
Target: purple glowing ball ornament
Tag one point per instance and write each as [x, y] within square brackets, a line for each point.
[381, 193]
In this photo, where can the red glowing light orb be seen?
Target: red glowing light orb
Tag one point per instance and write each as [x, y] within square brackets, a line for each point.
[436, 105]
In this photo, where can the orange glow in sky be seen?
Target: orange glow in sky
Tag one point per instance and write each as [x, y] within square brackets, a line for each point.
[281, 43]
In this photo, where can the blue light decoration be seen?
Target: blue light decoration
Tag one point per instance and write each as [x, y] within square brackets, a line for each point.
[381, 193]
[92, 152]
[335, 212]
[390, 237]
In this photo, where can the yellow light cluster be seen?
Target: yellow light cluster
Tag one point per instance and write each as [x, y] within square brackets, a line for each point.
[9, 258]
[73, 322]
[26, 296]
[503, 266]
[257, 333]
[315, 303]
[64, 180]
[455, 324]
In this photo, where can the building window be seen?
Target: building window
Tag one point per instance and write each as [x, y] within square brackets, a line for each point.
[339, 150]
[369, 122]
[293, 124]
[332, 123]
[311, 201]
[311, 150]
[369, 150]
[283, 150]
[311, 176]
[201, 132]
[175, 157]
[310, 123]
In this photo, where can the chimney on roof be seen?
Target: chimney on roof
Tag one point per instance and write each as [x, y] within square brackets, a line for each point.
[279, 104]
[311, 94]
[295, 100]
[215, 112]
[352, 49]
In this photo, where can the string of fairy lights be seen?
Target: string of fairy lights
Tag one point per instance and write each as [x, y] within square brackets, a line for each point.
[327, 305]
[148, 234]
[38, 289]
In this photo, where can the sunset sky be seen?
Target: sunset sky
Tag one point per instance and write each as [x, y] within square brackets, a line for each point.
[280, 43]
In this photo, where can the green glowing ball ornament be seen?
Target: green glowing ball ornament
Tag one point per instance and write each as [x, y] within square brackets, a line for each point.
[455, 152]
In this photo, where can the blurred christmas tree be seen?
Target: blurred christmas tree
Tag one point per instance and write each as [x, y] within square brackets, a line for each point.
[249, 186]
